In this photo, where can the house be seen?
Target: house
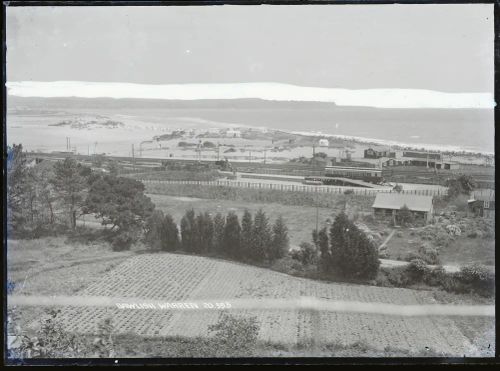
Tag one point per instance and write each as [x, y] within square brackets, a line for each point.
[379, 153]
[230, 133]
[390, 204]
[323, 143]
[482, 204]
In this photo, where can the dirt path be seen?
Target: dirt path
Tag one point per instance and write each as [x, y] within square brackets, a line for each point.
[387, 239]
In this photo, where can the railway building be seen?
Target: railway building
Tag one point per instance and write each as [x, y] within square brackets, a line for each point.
[379, 153]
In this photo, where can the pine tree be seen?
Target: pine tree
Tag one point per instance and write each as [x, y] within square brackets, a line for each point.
[247, 242]
[172, 233]
[205, 233]
[187, 230]
[322, 243]
[198, 231]
[261, 236]
[17, 175]
[353, 255]
[231, 239]
[155, 235]
[69, 182]
[280, 241]
[161, 232]
[219, 223]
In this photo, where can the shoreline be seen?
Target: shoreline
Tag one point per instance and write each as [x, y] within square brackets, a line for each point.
[444, 149]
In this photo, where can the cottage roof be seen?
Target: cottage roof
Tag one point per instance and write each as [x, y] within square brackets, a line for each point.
[484, 198]
[396, 201]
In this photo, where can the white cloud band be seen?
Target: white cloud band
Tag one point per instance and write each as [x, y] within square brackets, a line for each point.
[378, 98]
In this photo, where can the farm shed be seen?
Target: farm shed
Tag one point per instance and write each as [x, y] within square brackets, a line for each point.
[482, 205]
[386, 204]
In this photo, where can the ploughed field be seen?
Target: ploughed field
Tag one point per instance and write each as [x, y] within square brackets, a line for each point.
[181, 278]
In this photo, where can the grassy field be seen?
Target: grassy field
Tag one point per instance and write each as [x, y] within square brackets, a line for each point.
[462, 250]
[55, 266]
[301, 220]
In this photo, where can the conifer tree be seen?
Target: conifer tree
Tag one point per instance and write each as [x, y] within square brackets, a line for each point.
[219, 223]
[353, 255]
[231, 239]
[262, 237]
[247, 242]
[188, 229]
[280, 241]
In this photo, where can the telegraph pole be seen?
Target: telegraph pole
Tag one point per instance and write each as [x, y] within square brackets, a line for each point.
[133, 157]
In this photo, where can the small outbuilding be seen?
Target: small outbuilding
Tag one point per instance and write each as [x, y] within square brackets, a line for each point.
[390, 204]
[482, 205]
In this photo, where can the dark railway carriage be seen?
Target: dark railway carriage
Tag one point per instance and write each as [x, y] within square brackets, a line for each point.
[365, 174]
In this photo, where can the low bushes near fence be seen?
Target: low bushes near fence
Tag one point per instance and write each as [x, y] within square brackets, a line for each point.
[471, 279]
[292, 198]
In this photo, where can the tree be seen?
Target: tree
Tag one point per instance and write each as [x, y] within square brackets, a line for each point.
[262, 237]
[161, 232]
[307, 254]
[280, 241]
[353, 255]
[247, 242]
[231, 239]
[463, 184]
[70, 182]
[219, 223]
[405, 216]
[113, 167]
[398, 188]
[121, 203]
[188, 228]
[17, 174]
[204, 233]
[322, 243]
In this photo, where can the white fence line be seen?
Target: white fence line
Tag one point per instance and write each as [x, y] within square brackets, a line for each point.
[294, 188]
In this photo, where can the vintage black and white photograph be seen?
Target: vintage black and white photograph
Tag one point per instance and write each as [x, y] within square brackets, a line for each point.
[232, 181]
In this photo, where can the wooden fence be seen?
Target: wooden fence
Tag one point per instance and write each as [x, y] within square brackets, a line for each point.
[295, 188]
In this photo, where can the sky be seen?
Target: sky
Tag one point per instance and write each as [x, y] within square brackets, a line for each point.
[447, 48]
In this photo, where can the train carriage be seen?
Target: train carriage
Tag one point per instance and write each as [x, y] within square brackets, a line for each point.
[333, 173]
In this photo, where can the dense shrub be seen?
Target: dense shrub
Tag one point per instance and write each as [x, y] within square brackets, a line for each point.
[235, 335]
[307, 254]
[405, 216]
[470, 279]
[435, 276]
[124, 239]
[478, 278]
[291, 266]
[427, 253]
[352, 255]
[416, 271]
